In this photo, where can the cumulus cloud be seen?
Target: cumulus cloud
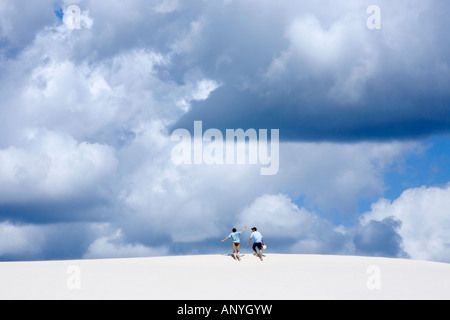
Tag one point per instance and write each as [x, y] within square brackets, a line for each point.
[190, 203]
[342, 53]
[378, 238]
[288, 228]
[50, 166]
[323, 75]
[422, 214]
[20, 241]
[336, 175]
[113, 247]
[20, 23]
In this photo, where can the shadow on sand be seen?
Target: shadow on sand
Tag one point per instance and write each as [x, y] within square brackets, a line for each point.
[240, 256]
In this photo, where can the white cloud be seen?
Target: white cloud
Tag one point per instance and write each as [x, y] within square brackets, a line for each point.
[277, 216]
[197, 91]
[62, 94]
[20, 241]
[113, 247]
[301, 231]
[52, 165]
[424, 216]
[167, 6]
[21, 20]
[196, 202]
[333, 176]
[342, 54]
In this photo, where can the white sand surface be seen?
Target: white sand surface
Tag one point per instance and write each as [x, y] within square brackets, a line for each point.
[211, 277]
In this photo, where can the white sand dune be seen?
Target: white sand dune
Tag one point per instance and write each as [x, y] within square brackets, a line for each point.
[220, 277]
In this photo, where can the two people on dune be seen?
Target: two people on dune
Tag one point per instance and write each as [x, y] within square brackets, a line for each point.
[256, 236]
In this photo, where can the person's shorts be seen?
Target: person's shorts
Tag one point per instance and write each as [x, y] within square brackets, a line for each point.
[236, 244]
[257, 245]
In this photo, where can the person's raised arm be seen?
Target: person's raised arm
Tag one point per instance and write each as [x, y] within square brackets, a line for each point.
[244, 229]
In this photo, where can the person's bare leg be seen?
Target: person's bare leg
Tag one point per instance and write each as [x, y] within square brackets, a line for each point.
[260, 255]
[234, 251]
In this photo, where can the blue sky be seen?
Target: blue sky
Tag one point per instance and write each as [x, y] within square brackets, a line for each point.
[87, 116]
[426, 168]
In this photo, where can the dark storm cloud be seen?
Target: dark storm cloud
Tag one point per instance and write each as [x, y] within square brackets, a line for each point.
[379, 238]
[319, 77]
[392, 117]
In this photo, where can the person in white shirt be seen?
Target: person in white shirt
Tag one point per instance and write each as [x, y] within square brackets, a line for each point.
[258, 242]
